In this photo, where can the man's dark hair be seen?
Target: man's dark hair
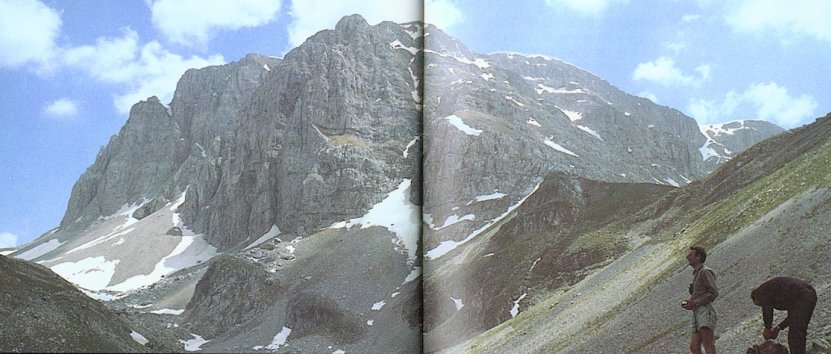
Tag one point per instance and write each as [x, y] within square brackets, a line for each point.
[700, 252]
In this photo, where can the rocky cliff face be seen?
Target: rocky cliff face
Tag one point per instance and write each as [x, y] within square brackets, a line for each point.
[265, 141]
[496, 124]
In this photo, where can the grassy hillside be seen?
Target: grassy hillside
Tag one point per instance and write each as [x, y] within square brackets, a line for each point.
[764, 213]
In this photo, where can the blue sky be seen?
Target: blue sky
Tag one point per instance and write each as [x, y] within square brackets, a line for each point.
[71, 70]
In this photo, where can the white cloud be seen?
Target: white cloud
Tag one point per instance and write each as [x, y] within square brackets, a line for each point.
[312, 16]
[442, 13]
[8, 239]
[193, 22]
[802, 17]
[62, 107]
[142, 70]
[774, 103]
[664, 71]
[585, 7]
[649, 95]
[767, 101]
[28, 30]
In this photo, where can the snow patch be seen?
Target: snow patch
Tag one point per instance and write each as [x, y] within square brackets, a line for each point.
[136, 306]
[414, 274]
[534, 265]
[272, 233]
[195, 344]
[542, 88]
[707, 151]
[559, 147]
[453, 219]
[396, 44]
[418, 32]
[114, 234]
[590, 131]
[190, 251]
[93, 273]
[721, 128]
[278, 341]
[487, 76]
[481, 63]
[457, 122]
[572, 115]
[204, 154]
[378, 305]
[515, 308]
[532, 121]
[397, 214]
[458, 302]
[168, 312]
[39, 250]
[409, 145]
[482, 198]
[138, 338]
[672, 182]
[509, 98]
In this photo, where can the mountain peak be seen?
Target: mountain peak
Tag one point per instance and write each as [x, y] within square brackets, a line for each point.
[351, 23]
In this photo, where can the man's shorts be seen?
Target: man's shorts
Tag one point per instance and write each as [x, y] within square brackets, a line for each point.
[704, 316]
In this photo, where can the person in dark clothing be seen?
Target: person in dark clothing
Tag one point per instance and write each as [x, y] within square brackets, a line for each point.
[792, 295]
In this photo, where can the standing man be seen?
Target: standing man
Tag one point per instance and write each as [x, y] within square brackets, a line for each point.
[792, 295]
[703, 292]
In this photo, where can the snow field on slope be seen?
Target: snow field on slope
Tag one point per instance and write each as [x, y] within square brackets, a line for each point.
[457, 122]
[397, 214]
[138, 244]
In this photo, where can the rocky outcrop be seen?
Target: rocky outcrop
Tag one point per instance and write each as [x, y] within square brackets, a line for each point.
[42, 312]
[348, 289]
[162, 150]
[233, 291]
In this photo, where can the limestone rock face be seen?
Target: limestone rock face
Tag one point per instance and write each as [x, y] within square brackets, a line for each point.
[496, 124]
[299, 142]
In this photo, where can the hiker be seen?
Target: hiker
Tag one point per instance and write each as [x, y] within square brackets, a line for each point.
[703, 292]
[792, 295]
